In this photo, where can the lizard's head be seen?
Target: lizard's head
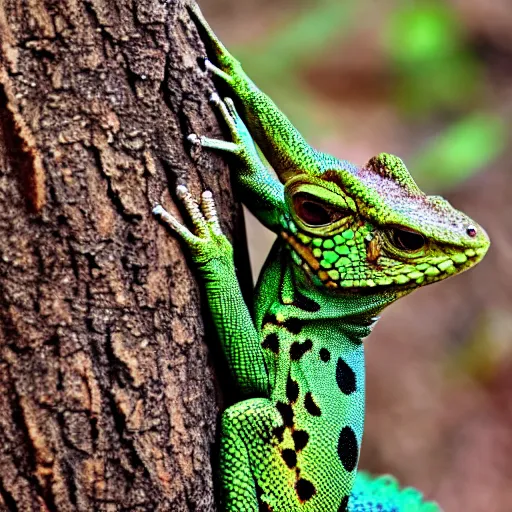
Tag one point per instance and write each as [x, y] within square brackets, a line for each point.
[373, 227]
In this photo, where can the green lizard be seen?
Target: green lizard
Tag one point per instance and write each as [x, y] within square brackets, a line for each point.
[351, 241]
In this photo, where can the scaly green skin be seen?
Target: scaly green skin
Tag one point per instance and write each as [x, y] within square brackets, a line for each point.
[351, 241]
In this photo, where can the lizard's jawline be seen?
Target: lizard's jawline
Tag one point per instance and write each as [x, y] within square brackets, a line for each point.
[316, 273]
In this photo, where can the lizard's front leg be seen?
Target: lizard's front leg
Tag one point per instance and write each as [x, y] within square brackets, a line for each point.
[280, 141]
[213, 255]
[248, 452]
[262, 193]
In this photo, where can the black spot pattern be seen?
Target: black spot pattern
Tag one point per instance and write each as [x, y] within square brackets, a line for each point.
[294, 325]
[278, 433]
[300, 439]
[292, 389]
[305, 489]
[348, 449]
[290, 457]
[311, 406]
[271, 342]
[305, 303]
[269, 319]
[286, 412]
[345, 377]
[343, 505]
[325, 355]
[298, 349]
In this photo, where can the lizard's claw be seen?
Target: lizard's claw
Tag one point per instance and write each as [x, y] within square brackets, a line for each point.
[194, 139]
[206, 242]
[236, 126]
[214, 99]
[217, 71]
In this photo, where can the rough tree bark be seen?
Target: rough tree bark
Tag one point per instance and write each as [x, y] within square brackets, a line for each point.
[107, 395]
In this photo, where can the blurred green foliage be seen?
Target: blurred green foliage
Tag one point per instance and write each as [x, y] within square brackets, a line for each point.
[434, 67]
[461, 149]
[434, 71]
[276, 63]
[438, 73]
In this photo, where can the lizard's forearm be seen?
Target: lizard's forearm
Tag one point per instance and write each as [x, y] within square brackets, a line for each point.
[240, 341]
[283, 146]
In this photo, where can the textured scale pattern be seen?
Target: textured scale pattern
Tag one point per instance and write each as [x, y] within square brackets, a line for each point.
[341, 261]
[351, 241]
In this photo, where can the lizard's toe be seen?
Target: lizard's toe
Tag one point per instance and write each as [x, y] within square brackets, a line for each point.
[158, 210]
[231, 107]
[182, 191]
[193, 138]
[215, 99]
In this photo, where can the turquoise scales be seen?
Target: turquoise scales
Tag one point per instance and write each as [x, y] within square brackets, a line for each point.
[351, 241]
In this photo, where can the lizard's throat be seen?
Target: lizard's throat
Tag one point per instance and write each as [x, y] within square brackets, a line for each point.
[352, 314]
[304, 257]
[311, 275]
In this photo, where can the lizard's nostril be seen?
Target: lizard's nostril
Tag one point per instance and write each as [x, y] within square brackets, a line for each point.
[471, 231]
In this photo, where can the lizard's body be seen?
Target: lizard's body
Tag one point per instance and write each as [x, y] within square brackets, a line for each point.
[315, 408]
[351, 241]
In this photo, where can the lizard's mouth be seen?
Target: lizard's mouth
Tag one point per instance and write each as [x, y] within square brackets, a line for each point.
[347, 275]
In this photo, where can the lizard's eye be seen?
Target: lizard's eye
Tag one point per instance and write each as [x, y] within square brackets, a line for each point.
[313, 212]
[406, 240]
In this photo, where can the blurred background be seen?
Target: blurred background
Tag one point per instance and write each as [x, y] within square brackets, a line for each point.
[431, 81]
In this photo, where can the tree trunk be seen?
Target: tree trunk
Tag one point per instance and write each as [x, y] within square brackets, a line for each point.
[107, 395]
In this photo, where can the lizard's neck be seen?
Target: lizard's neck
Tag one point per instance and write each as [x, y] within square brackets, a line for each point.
[315, 358]
[285, 286]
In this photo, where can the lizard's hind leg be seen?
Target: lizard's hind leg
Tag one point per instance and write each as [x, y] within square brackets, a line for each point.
[251, 478]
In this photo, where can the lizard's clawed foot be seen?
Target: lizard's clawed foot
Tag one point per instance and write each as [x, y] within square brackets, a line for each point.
[237, 128]
[206, 242]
